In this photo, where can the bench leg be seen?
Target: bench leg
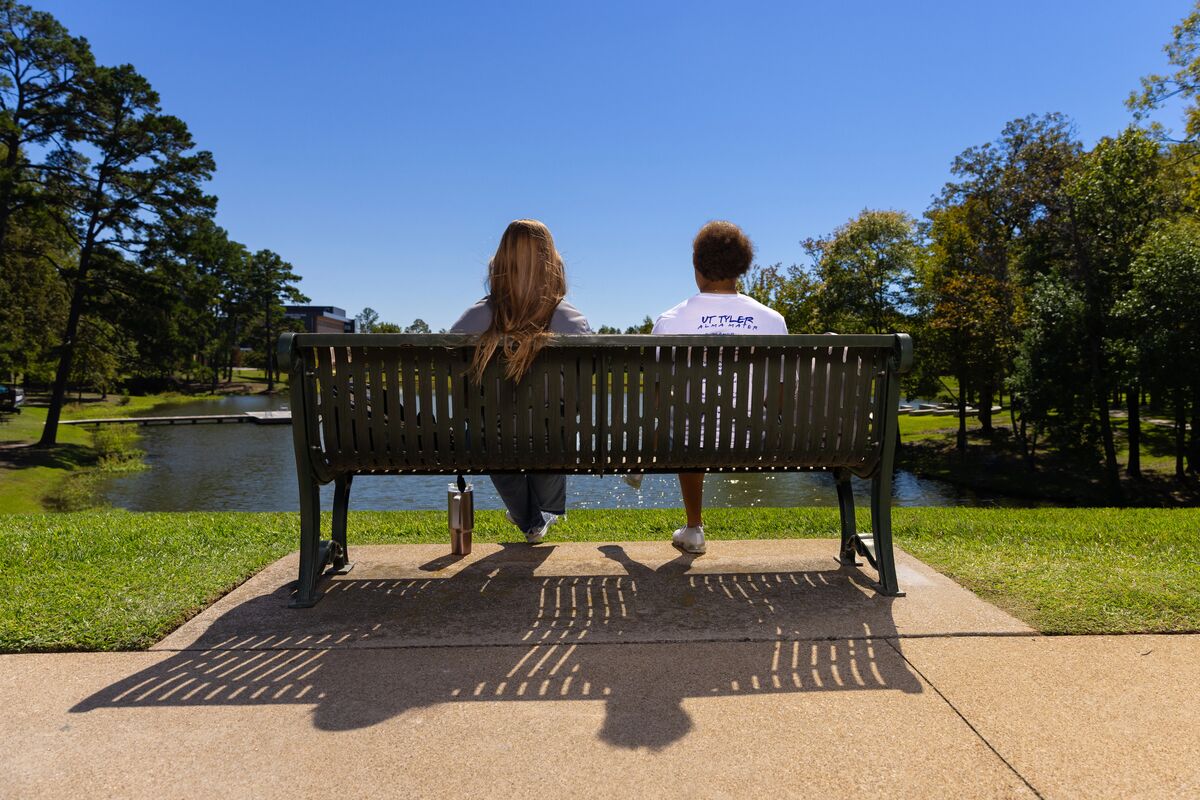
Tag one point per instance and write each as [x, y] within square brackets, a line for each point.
[881, 531]
[340, 560]
[311, 561]
[847, 555]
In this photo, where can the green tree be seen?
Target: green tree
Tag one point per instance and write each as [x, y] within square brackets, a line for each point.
[192, 302]
[271, 280]
[645, 326]
[998, 220]
[41, 71]
[608, 330]
[1163, 303]
[1181, 83]
[1114, 194]
[97, 362]
[1050, 377]
[367, 320]
[33, 301]
[866, 272]
[418, 326]
[791, 292]
[134, 167]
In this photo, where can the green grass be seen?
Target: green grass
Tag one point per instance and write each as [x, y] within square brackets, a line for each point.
[118, 580]
[255, 375]
[914, 428]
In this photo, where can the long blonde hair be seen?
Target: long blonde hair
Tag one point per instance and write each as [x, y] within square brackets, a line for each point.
[526, 282]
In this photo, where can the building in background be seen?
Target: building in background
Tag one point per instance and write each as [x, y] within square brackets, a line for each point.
[322, 319]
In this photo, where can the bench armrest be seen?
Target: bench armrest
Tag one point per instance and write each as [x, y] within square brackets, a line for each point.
[283, 351]
[905, 347]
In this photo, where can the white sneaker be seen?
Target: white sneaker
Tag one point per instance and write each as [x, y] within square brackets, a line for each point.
[536, 535]
[689, 540]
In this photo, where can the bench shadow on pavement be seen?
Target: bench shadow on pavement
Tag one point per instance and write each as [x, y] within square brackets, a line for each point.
[642, 643]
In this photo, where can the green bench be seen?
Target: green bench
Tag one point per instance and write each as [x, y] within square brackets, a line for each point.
[402, 404]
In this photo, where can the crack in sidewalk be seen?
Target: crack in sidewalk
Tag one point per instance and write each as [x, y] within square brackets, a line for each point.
[963, 717]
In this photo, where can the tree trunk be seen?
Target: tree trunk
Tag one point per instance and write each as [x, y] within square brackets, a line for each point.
[270, 363]
[1180, 425]
[962, 416]
[59, 393]
[1134, 467]
[1194, 447]
[1018, 429]
[1095, 342]
[985, 408]
[1112, 469]
[214, 364]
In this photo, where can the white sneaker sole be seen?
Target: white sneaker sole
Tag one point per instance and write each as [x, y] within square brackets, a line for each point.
[693, 550]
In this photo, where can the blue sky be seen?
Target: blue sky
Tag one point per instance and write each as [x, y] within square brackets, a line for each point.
[382, 147]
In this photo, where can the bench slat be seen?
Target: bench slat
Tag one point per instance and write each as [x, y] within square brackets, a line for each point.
[758, 399]
[590, 407]
[834, 405]
[463, 392]
[329, 409]
[377, 424]
[441, 371]
[653, 404]
[394, 406]
[357, 403]
[819, 405]
[569, 431]
[675, 382]
[615, 415]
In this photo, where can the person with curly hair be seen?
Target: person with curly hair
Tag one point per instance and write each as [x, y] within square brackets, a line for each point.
[721, 254]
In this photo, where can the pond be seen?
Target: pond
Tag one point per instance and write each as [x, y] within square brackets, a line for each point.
[247, 467]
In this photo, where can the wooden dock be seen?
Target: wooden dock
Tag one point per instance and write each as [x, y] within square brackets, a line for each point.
[255, 417]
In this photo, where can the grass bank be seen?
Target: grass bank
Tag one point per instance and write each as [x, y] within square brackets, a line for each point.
[119, 580]
[64, 477]
[1063, 474]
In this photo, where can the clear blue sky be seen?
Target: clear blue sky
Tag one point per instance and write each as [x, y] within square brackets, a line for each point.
[382, 147]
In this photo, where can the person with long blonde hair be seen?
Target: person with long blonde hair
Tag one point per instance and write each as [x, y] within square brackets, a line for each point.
[525, 305]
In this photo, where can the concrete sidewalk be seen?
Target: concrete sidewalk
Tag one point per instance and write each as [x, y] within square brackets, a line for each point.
[607, 670]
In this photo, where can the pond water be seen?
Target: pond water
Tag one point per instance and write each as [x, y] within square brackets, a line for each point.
[247, 467]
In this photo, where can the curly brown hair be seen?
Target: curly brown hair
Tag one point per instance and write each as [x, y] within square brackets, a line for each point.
[722, 250]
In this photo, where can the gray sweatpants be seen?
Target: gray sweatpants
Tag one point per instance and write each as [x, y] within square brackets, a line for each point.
[527, 496]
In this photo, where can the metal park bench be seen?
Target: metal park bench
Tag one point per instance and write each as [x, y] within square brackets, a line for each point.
[402, 404]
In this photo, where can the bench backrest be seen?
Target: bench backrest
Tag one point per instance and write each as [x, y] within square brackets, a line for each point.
[403, 404]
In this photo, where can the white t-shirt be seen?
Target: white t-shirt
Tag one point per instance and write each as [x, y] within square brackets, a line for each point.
[718, 313]
[712, 312]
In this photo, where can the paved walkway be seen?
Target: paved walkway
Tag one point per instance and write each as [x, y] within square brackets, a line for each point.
[608, 671]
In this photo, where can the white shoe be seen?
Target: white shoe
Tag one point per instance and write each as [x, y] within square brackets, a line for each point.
[536, 535]
[689, 540]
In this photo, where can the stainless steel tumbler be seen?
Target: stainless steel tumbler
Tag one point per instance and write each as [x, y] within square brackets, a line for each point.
[461, 507]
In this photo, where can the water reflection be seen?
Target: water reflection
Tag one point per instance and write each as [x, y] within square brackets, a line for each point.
[246, 467]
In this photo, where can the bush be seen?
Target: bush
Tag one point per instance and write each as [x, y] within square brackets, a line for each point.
[115, 449]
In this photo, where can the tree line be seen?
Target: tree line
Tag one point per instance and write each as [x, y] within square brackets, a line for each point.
[1065, 277]
[110, 261]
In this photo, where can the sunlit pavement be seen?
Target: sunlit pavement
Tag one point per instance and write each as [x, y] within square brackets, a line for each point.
[610, 670]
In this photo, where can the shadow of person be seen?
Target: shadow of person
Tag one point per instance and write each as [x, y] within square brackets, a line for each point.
[653, 721]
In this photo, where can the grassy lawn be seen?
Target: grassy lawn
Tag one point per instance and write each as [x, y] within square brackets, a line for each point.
[915, 428]
[119, 580]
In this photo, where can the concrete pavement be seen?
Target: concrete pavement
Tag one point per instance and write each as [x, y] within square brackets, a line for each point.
[607, 670]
